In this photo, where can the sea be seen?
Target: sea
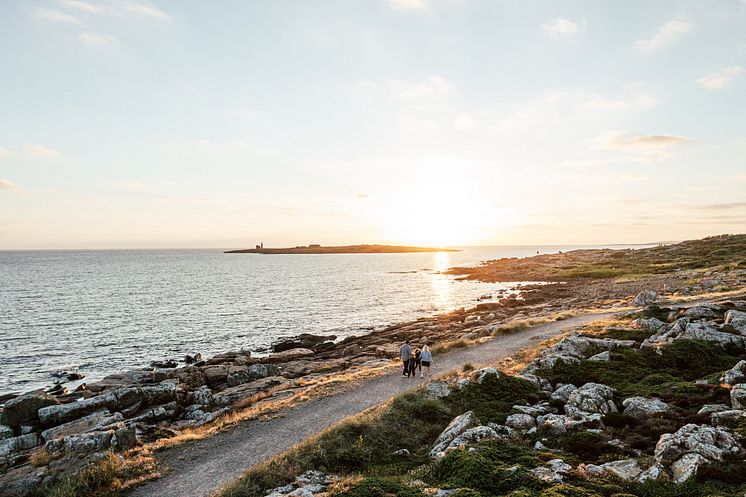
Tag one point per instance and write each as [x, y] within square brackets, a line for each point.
[98, 312]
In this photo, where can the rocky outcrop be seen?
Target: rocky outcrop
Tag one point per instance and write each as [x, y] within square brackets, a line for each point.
[713, 444]
[645, 298]
[590, 400]
[246, 391]
[626, 469]
[738, 396]
[456, 427]
[641, 407]
[735, 375]
[25, 408]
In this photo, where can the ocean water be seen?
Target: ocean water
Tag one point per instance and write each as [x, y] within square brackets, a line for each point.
[100, 312]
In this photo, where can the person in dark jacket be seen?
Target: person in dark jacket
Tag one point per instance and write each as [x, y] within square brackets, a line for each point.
[412, 365]
[404, 353]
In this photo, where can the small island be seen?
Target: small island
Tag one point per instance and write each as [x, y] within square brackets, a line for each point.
[344, 249]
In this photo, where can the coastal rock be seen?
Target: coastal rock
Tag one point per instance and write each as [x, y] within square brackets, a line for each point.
[626, 469]
[707, 441]
[651, 324]
[17, 444]
[58, 414]
[390, 350]
[471, 436]
[209, 418]
[480, 375]
[251, 373]
[730, 418]
[288, 355]
[737, 319]
[604, 356]
[712, 408]
[687, 467]
[456, 427]
[25, 408]
[302, 341]
[645, 298]
[352, 350]
[562, 393]
[438, 389]
[557, 424]
[590, 399]
[152, 395]
[246, 391]
[700, 312]
[738, 396]
[124, 439]
[520, 422]
[653, 473]
[96, 421]
[683, 329]
[641, 407]
[86, 443]
[553, 472]
[217, 374]
[202, 396]
[5, 432]
[735, 375]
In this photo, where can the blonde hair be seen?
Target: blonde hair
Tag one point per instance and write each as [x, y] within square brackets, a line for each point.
[425, 348]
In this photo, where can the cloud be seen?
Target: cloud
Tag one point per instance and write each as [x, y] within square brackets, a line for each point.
[55, 16]
[720, 207]
[96, 39]
[432, 87]
[634, 98]
[668, 34]
[81, 6]
[4, 151]
[409, 5]
[720, 79]
[740, 176]
[41, 151]
[117, 8]
[624, 140]
[560, 27]
[8, 185]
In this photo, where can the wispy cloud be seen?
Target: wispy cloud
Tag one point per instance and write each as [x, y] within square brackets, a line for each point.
[668, 34]
[635, 98]
[561, 27]
[740, 176]
[409, 5]
[55, 16]
[97, 39]
[4, 151]
[41, 151]
[81, 6]
[624, 140]
[729, 206]
[431, 87]
[720, 79]
[120, 8]
[8, 185]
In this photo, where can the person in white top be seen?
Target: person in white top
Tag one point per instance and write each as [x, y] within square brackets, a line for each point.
[427, 359]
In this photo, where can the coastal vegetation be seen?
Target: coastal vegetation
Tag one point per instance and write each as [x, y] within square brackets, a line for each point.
[389, 450]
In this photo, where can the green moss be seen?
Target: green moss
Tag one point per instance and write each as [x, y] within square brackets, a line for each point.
[382, 487]
[493, 400]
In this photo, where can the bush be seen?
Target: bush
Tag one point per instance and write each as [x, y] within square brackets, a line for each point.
[382, 487]
[493, 400]
[587, 445]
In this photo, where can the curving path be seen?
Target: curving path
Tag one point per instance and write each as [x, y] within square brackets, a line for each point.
[201, 467]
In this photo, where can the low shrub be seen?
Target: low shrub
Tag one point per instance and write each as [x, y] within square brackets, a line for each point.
[382, 487]
[493, 400]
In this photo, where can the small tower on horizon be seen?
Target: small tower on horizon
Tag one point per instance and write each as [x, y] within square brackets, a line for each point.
[262, 245]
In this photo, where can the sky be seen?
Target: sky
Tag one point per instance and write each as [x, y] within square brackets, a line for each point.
[170, 124]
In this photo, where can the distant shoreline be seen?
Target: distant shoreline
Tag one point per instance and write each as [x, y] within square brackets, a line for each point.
[344, 249]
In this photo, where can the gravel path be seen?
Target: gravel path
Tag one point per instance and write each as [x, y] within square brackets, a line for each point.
[201, 467]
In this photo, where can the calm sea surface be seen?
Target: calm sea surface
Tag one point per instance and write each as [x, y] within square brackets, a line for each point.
[100, 312]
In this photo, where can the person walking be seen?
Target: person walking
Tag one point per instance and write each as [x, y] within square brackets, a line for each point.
[417, 361]
[404, 352]
[412, 365]
[427, 358]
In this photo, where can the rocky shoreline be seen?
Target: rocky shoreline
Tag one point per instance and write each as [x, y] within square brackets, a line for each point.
[47, 435]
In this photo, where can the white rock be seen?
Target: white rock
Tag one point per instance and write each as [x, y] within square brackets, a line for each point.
[604, 356]
[482, 374]
[456, 427]
[438, 389]
[707, 441]
[654, 472]
[470, 436]
[520, 422]
[645, 297]
[712, 408]
[5, 432]
[735, 375]
[641, 407]
[727, 418]
[16, 444]
[562, 393]
[738, 396]
[737, 319]
[591, 398]
[626, 469]
[686, 467]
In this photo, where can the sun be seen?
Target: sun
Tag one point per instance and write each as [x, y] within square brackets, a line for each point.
[438, 215]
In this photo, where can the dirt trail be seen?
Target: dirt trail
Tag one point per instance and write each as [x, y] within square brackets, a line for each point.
[201, 467]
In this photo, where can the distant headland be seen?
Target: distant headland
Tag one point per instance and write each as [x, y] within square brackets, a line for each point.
[344, 249]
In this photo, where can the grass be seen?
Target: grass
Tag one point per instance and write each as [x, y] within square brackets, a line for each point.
[112, 476]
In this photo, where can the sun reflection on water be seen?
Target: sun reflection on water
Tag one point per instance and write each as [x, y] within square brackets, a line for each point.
[441, 283]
